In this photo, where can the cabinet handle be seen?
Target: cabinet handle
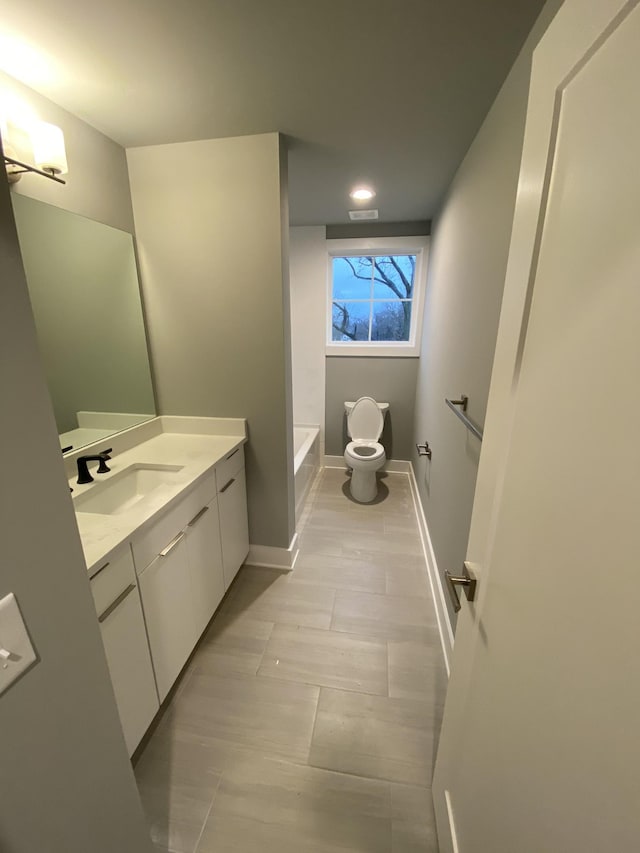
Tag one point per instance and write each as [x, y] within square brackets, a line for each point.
[234, 453]
[198, 516]
[226, 485]
[101, 569]
[172, 544]
[116, 603]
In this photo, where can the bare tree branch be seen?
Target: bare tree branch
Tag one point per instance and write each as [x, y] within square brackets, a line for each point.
[408, 285]
[384, 280]
[343, 329]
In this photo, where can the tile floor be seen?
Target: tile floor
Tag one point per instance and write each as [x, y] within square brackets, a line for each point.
[307, 720]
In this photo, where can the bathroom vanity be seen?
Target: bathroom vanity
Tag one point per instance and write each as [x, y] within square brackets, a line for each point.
[164, 534]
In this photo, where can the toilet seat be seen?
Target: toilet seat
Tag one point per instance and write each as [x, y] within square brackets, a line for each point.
[365, 451]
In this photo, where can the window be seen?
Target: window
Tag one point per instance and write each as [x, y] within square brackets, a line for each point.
[375, 300]
[372, 298]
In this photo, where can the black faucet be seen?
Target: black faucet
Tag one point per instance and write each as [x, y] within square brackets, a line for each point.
[83, 470]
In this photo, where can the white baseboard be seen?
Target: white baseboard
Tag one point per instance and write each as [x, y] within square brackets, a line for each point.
[391, 466]
[273, 558]
[442, 614]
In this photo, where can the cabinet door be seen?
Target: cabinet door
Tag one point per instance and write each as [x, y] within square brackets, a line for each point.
[205, 563]
[127, 650]
[167, 600]
[234, 531]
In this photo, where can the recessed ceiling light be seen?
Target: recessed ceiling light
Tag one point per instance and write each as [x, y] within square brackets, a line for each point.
[362, 194]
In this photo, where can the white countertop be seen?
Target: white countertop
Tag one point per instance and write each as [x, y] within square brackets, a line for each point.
[101, 534]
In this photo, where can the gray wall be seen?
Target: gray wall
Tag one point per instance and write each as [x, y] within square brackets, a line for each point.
[469, 248]
[388, 380]
[97, 184]
[66, 781]
[210, 240]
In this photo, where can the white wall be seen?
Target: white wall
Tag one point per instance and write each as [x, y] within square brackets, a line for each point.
[212, 246]
[308, 288]
[470, 243]
[66, 782]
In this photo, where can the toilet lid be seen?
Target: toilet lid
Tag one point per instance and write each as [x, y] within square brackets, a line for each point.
[365, 420]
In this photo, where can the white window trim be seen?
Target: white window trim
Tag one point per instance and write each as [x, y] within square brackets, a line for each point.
[418, 246]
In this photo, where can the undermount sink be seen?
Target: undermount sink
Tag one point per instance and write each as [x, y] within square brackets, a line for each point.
[126, 488]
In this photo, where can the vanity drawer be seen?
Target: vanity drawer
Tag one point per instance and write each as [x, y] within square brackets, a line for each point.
[149, 544]
[112, 579]
[229, 466]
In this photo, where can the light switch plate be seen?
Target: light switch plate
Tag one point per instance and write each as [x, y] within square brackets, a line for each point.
[16, 652]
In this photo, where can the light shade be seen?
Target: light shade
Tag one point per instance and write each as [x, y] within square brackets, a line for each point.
[48, 148]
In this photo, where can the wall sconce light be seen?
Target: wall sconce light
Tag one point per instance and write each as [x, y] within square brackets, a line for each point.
[37, 140]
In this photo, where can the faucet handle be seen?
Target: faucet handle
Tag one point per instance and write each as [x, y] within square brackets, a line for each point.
[103, 468]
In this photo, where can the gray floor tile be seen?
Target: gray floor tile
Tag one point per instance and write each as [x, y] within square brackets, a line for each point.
[270, 715]
[391, 544]
[374, 736]
[417, 671]
[180, 757]
[339, 572]
[270, 597]
[177, 778]
[175, 836]
[327, 658]
[234, 643]
[391, 617]
[405, 579]
[266, 805]
[413, 821]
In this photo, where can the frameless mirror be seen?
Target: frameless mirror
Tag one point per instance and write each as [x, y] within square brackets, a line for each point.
[84, 291]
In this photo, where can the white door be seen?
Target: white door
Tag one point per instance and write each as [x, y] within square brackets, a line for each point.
[540, 751]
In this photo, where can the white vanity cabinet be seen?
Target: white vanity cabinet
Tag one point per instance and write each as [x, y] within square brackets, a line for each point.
[205, 563]
[117, 601]
[180, 566]
[167, 596]
[232, 507]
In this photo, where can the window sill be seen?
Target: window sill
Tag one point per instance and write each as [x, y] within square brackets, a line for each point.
[373, 351]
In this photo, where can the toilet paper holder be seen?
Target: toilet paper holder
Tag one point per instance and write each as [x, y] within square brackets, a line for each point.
[424, 450]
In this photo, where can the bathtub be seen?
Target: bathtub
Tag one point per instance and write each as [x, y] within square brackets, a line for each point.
[306, 461]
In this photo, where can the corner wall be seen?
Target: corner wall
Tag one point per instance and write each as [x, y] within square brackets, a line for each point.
[212, 246]
[469, 249]
[66, 781]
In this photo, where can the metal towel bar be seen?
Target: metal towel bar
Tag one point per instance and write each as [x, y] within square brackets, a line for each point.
[453, 405]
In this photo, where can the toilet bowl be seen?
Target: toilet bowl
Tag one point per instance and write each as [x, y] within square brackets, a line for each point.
[364, 454]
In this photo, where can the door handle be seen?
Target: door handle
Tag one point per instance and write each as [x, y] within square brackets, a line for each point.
[467, 581]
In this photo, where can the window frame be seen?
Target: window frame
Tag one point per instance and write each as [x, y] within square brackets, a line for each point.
[375, 247]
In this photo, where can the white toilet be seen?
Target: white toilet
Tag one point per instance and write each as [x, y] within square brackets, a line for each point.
[364, 454]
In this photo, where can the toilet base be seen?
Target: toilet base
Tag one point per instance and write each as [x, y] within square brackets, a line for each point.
[364, 486]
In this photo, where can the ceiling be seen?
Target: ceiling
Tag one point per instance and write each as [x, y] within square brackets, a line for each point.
[388, 92]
